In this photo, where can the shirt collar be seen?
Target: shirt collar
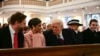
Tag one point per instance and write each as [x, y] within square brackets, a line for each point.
[11, 29]
[60, 33]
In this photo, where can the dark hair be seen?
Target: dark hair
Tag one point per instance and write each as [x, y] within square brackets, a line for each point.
[43, 23]
[92, 20]
[25, 28]
[34, 22]
[19, 17]
[0, 23]
[4, 25]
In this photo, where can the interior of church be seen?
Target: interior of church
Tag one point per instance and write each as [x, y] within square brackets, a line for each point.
[70, 19]
[48, 9]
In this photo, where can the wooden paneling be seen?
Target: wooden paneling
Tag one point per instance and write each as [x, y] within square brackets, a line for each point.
[73, 50]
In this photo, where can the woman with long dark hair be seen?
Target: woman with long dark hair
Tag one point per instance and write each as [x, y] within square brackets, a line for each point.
[34, 38]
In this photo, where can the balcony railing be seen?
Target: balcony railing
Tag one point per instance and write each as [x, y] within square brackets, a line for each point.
[11, 2]
[33, 2]
[55, 2]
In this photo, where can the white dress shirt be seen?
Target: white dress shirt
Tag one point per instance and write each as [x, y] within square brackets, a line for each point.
[12, 34]
[61, 36]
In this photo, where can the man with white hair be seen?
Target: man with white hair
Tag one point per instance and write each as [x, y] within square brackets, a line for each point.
[57, 36]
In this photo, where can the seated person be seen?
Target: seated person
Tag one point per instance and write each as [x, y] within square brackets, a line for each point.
[34, 38]
[57, 36]
[74, 33]
[90, 35]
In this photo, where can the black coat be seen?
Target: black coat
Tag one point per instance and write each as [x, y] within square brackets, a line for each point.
[77, 37]
[90, 37]
[51, 39]
[5, 38]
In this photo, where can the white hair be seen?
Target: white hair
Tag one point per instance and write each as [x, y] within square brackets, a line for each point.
[58, 21]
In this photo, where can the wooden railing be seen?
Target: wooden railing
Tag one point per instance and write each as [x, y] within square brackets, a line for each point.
[33, 2]
[56, 2]
[69, 50]
[24, 2]
[11, 2]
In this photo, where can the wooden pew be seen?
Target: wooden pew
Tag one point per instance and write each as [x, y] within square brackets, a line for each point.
[69, 50]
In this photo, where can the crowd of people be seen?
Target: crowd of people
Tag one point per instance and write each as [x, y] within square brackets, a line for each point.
[17, 35]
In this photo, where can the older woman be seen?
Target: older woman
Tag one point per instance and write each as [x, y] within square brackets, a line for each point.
[34, 38]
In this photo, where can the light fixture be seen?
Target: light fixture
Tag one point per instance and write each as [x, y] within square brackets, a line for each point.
[75, 10]
[97, 7]
[90, 13]
[85, 8]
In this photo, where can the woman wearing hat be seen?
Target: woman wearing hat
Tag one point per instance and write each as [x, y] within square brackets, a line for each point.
[74, 32]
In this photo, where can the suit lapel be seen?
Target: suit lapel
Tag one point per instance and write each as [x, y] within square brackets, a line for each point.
[8, 36]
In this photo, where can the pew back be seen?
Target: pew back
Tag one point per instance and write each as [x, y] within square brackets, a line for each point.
[69, 50]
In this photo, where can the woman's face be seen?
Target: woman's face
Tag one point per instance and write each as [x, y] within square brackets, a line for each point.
[38, 28]
[74, 27]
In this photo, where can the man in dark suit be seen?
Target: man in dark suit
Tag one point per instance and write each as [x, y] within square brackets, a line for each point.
[90, 35]
[73, 31]
[57, 35]
[11, 36]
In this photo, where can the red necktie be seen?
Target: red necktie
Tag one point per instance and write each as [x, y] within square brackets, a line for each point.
[15, 40]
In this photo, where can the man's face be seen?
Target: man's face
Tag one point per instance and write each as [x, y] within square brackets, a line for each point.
[21, 25]
[44, 26]
[94, 25]
[57, 28]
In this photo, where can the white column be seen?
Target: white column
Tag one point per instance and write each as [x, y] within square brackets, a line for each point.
[83, 15]
[2, 3]
[83, 19]
[63, 1]
[20, 2]
[3, 17]
[47, 4]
